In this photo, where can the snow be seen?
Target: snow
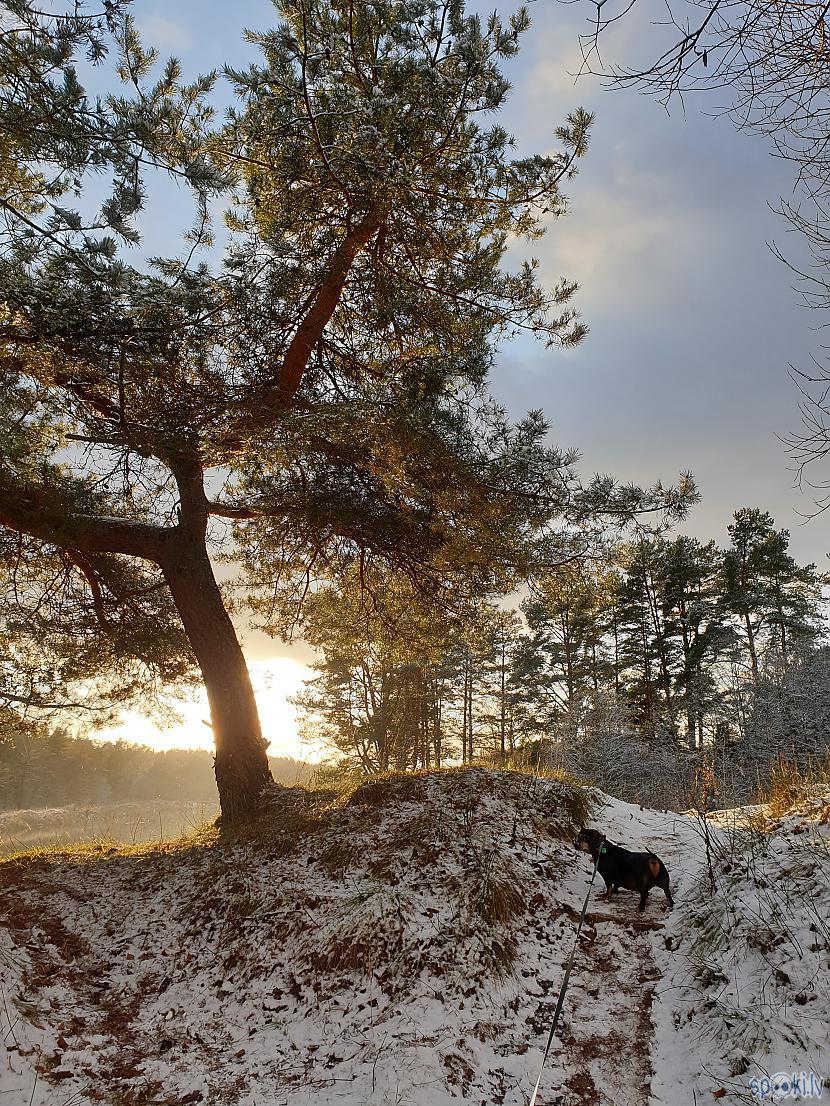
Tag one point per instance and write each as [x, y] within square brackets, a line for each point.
[408, 948]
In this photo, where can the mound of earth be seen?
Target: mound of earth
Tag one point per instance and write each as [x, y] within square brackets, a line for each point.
[403, 946]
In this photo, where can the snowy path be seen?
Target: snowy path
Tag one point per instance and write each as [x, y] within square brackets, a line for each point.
[607, 1039]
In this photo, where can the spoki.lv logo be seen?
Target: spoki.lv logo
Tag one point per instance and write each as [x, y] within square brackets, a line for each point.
[794, 1085]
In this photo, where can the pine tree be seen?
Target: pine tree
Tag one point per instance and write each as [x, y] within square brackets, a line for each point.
[773, 601]
[648, 650]
[380, 689]
[493, 649]
[325, 390]
[695, 618]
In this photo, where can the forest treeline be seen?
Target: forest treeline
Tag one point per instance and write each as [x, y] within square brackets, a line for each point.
[664, 669]
[48, 767]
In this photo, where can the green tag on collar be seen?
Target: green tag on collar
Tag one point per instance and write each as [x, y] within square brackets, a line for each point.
[602, 849]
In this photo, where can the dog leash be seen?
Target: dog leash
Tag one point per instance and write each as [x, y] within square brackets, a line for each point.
[565, 978]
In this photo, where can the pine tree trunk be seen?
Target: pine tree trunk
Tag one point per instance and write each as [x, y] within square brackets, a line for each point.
[383, 736]
[753, 655]
[503, 705]
[616, 657]
[436, 723]
[241, 763]
[470, 713]
[566, 645]
[691, 723]
[784, 656]
[464, 715]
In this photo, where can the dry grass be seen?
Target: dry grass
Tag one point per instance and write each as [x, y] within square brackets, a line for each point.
[289, 815]
[128, 823]
[497, 954]
[790, 784]
[391, 787]
[42, 857]
[345, 956]
[337, 857]
[576, 795]
[498, 901]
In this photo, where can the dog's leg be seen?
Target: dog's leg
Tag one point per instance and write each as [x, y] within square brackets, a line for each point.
[664, 884]
[643, 897]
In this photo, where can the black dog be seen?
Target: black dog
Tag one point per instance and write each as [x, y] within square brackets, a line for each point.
[621, 868]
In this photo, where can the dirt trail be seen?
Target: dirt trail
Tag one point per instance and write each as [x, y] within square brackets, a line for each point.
[607, 1035]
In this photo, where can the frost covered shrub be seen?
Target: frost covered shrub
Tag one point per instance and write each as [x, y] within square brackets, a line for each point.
[597, 743]
[790, 717]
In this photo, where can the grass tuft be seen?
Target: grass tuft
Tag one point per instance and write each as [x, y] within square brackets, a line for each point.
[498, 901]
[390, 788]
[790, 784]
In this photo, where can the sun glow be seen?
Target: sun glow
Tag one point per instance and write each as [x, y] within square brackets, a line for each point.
[275, 680]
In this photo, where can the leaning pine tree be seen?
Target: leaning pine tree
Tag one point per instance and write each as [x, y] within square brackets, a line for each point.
[319, 400]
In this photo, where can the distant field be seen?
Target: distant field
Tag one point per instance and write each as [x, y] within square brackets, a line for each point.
[128, 823]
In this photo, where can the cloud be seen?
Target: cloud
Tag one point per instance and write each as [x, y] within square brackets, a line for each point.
[165, 34]
[631, 218]
[555, 73]
[628, 239]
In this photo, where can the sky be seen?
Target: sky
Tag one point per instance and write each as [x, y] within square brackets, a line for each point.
[693, 321]
[275, 679]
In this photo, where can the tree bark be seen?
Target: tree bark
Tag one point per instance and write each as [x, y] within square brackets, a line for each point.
[691, 722]
[753, 654]
[283, 387]
[503, 705]
[464, 714]
[470, 710]
[241, 762]
[436, 723]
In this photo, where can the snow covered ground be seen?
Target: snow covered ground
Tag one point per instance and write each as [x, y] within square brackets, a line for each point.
[407, 947]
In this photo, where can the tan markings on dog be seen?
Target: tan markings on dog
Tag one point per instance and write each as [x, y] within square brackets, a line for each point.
[654, 864]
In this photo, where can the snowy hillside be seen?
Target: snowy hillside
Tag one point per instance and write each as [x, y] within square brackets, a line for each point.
[406, 947]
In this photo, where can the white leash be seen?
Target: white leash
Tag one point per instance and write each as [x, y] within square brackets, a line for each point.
[565, 979]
